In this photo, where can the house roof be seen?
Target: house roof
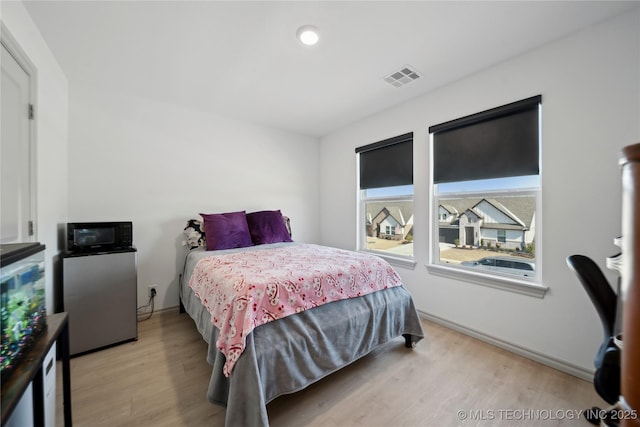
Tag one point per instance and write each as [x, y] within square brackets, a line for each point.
[473, 212]
[520, 208]
[449, 208]
[402, 211]
[498, 205]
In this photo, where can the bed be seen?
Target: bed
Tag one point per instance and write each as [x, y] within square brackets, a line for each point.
[270, 354]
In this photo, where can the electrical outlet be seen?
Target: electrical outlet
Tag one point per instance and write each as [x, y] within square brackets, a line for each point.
[152, 290]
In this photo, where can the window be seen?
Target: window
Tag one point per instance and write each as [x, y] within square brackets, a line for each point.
[385, 217]
[486, 186]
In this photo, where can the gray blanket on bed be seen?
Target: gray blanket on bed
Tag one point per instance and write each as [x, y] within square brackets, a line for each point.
[289, 354]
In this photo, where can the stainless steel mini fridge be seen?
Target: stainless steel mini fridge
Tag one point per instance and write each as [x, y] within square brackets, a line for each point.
[100, 295]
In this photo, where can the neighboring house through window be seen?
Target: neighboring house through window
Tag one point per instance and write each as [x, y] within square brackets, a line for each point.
[486, 193]
[385, 217]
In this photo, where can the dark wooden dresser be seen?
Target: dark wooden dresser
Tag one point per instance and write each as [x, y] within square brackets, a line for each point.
[630, 285]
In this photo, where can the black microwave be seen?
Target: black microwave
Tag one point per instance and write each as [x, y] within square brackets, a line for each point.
[99, 236]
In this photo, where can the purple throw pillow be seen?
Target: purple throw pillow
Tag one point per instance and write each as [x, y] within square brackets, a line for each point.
[267, 227]
[226, 230]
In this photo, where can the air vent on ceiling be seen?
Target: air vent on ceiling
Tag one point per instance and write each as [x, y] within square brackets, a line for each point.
[403, 76]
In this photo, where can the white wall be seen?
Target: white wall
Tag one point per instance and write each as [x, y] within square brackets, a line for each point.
[51, 134]
[589, 84]
[159, 165]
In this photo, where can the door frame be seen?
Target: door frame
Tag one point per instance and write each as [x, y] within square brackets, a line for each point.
[14, 48]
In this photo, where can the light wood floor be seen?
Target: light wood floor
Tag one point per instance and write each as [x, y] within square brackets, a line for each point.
[161, 380]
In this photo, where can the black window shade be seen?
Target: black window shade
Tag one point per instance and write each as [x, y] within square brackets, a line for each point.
[387, 163]
[501, 142]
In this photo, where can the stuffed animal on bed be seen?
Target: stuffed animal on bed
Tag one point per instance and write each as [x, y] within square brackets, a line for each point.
[195, 234]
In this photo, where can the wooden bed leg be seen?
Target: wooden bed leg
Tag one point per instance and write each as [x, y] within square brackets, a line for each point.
[408, 342]
[182, 309]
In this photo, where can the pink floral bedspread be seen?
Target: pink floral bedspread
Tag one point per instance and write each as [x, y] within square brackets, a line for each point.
[244, 290]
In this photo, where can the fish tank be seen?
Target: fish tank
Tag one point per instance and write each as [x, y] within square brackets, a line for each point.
[22, 294]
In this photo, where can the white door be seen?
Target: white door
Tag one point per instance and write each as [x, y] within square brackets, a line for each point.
[16, 186]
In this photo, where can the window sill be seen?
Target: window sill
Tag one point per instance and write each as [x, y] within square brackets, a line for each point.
[494, 281]
[395, 261]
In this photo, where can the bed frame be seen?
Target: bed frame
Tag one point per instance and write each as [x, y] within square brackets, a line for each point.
[289, 354]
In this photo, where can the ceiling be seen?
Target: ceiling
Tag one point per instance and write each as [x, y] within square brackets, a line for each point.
[241, 59]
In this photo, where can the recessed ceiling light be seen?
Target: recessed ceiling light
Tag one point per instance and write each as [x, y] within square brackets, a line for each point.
[308, 35]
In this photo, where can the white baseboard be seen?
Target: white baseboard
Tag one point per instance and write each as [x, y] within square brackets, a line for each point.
[560, 365]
